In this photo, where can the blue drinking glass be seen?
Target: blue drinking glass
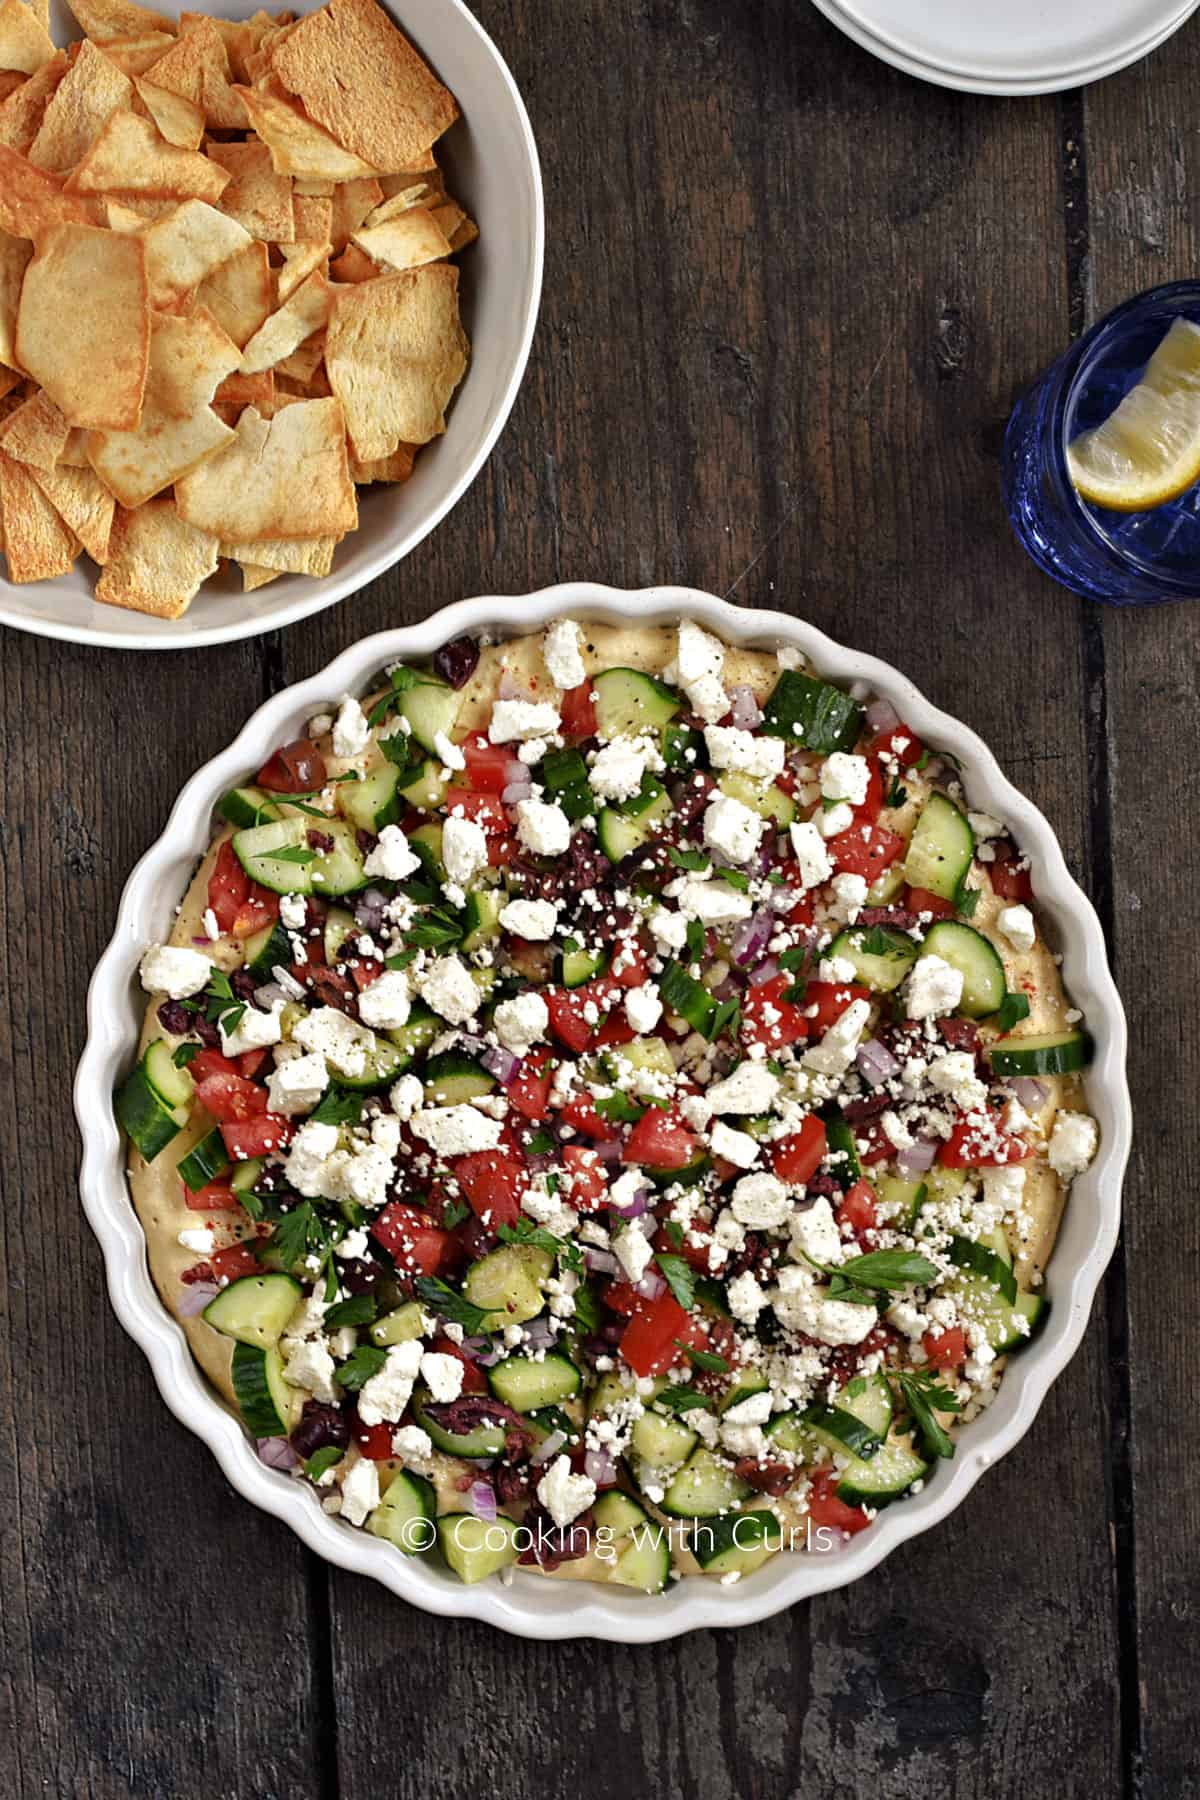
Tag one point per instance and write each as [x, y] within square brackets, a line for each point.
[1127, 559]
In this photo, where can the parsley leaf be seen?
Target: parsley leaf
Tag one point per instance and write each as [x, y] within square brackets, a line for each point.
[453, 1213]
[337, 1106]
[186, 1053]
[434, 930]
[366, 1361]
[681, 1399]
[299, 1234]
[924, 1398]
[296, 853]
[674, 1231]
[323, 1459]
[897, 794]
[708, 1360]
[359, 1309]
[966, 900]
[441, 1298]
[889, 1269]
[687, 859]
[586, 1317]
[680, 1277]
[874, 942]
[1013, 1009]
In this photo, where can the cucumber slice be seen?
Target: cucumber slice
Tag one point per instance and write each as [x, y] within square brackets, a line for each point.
[205, 1161]
[884, 889]
[255, 1309]
[904, 1199]
[628, 703]
[425, 787]
[277, 855]
[267, 950]
[660, 1442]
[409, 1500]
[749, 1382]
[619, 832]
[618, 1513]
[146, 1116]
[340, 870]
[1042, 1053]
[768, 801]
[481, 918]
[574, 967]
[976, 960]
[453, 1078]
[983, 1261]
[487, 1439]
[339, 925]
[738, 1543]
[885, 965]
[247, 806]
[888, 1475]
[703, 1488]
[426, 842]
[940, 849]
[508, 1284]
[683, 747]
[476, 1548]
[382, 1065]
[399, 1327]
[813, 713]
[373, 802]
[841, 1431]
[525, 1383]
[172, 1084]
[414, 1038]
[244, 1179]
[1008, 1324]
[565, 777]
[787, 1432]
[645, 1560]
[430, 706]
[263, 1396]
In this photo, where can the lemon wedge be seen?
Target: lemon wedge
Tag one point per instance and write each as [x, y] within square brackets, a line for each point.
[1148, 450]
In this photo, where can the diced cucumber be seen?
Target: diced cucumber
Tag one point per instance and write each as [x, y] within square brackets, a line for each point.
[255, 1309]
[746, 1383]
[841, 1431]
[686, 1177]
[644, 1056]
[868, 1398]
[620, 832]
[628, 702]
[507, 1283]
[609, 1393]
[481, 917]
[453, 1078]
[263, 1396]
[526, 1383]
[882, 967]
[704, 1487]
[940, 849]
[244, 1179]
[983, 1260]
[143, 1113]
[840, 1145]
[400, 1326]
[903, 1199]
[618, 1513]
[476, 1548]
[564, 775]
[1041, 1053]
[339, 926]
[813, 713]
[683, 747]
[426, 842]
[430, 706]
[381, 1066]
[737, 1543]
[409, 1499]
[486, 1439]
[340, 870]
[268, 950]
[983, 1297]
[885, 887]
[660, 1441]
[171, 1083]
[247, 806]
[764, 798]
[643, 1558]
[574, 967]
[976, 960]
[889, 1474]
[414, 1038]
[424, 786]
[205, 1161]
[373, 802]
[277, 855]
[788, 1432]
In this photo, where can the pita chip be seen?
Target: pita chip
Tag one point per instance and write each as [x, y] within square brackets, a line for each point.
[241, 37]
[22, 112]
[37, 545]
[241, 293]
[395, 351]
[258, 197]
[86, 97]
[83, 324]
[297, 144]
[25, 44]
[406, 241]
[15, 253]
[156, 561]
[302, 365]
[353, 201]
[131, 156]
[305, 312]
[83, 503]
[103, 20]
[354, 265]
[180, 121]
[256, 577]
[197, 68]
[299, 262]
[184, 248]
[237, 392]
[32, 200]
[394, 468]
[134, 55]
[10, 81]
[286, 556]
[36, 433]
[285, 477]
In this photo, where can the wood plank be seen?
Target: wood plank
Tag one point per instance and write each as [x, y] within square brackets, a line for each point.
[139, 1589]
[1143, 167]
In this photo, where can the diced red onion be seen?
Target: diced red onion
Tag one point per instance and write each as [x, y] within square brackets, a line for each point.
[882, 716]
[501, 1063]
[269, 994]
[766, 971]
[539, 1334]
[549, 1446]
[516, 791]
[195, 1298]
[876, 1063]
[917, 1158]
[292, 989]
[1028, 1091]
[730, 988]
[277, 1453]
[369, 908]
[203, 940]
[601, 1262]
[598, 1465]
[744, 708]
[608, 1150]
[472, 1346]
[749, 941]
[483, 1500]
[633, 1207]
[511, 689]
[650, 1286]
[489, 1359]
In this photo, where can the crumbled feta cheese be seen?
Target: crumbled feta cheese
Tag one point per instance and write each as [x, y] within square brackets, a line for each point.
[564, 1494]
[668, 929]
[308, 1364]
[212, 929]
[464, 849]
[731, 748]
[746, 1298]
[535, 920]
[176, 972]
[384, 1395]
[255, 1030]
[643, 1008]
[456, 1130]
[293, 911]
[360, 1492]
[342, 1041]
[755, 1409]
[297, 1085]
[836, 1050]
[698, 654]
[815, 1234]
[849, 896]
[737, 1147]
[320, 725]
[732, 828]
[448, 753]
[1073, 1144]
[406, 1096]
[743, 1440]
[543, 827]
[812, 858]
[1003, 1187]
[447, 987]
[760, 1202]
[521, 1022]
[442, 1375]
[385, 1003]
[1016, 922]
[838, 818]
[362, 1174]
[712, 902]
[353, 1247]
[560, 652]
[933, 988]
[391, 859]
[199, 1238]
[845, 777]
[984, 826]
[513, 719]
[633, 1251]
[617, 769]
[750, 1089]
[414, 1448]
[351, 733]
[788, 657]
[312, 1147]
[954, 1074]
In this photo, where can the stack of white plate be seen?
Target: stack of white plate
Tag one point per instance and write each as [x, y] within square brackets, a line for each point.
[1008, 46]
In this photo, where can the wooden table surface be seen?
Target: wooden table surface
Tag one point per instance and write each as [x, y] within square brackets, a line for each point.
[789, 298]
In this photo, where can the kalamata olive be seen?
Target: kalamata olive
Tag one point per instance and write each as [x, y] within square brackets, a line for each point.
[296, 768]
[456, 661]
[319, 1427]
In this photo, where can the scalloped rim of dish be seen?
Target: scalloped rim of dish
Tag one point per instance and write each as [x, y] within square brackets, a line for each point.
[531, 1606]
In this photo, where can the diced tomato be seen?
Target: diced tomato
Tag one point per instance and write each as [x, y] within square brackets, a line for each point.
[804, 911]
[364, 970]
[920, 900]
[375, 1441]
[210, 1062]
[217, 1196]
[873, 1143]
[871, 804]
[857, 1208]
[230, 1098]
[616, 1029]
[257, 910]
[577, 711]
[977, 1142]
[622, 1297]
[411, 1238]
[485, 808]
[696, 1254]
[566, 1018]
[587, 1187]
[1010, 881]
[489, 766]
[474, 1381]
[233, 1262]
[824, 1507]
[865, 850]
[831, 1000]
[228, 887]
[945, 1350]
[767, 1018]
[648, 1341]
[795, 1158]
[250, 1062]
[580, 1113]
[493, 1183]
[899, 742]
[297, 768]
[660, 1141]
[258, 1136]
[629, 968]
[529, 1091]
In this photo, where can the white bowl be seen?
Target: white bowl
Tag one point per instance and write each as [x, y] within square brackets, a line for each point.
[491, 165]
[533, 1606]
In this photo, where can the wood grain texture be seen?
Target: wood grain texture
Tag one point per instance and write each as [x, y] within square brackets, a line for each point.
[789, 295]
